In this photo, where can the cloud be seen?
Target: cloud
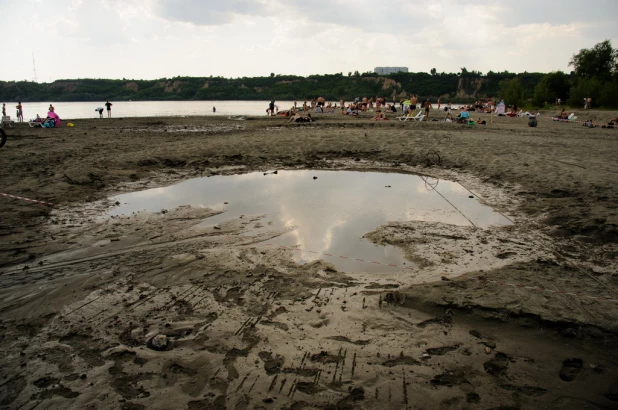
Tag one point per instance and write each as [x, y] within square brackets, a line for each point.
[396, 16]
[556, 12]
[94, 23]
[207, 12]
[167, 38]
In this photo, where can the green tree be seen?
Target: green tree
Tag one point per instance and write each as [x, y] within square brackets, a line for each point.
[597, 62]
[512, 92]
[585, 88]
[551, 87]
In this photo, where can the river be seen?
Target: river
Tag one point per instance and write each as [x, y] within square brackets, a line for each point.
[121, 109]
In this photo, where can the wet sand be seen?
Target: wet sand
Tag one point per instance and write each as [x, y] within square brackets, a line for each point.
[154, 310]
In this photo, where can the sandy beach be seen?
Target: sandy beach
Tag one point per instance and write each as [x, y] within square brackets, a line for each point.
[154, 311]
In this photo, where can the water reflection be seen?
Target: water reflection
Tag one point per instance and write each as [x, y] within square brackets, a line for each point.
[329, 214]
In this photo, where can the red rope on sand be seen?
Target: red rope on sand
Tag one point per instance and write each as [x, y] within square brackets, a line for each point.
[26, 199]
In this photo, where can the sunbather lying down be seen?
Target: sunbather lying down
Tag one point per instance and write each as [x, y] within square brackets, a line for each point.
[300, 118]
[611, 124]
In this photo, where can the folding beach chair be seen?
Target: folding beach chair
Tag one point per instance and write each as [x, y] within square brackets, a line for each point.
[6, 120]
[418, 117]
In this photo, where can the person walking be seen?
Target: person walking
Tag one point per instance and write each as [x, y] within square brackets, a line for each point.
[20, 112]
[108, 105]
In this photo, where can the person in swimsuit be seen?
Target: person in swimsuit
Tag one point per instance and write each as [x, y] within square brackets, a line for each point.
[20, 112]
[427, 107]
[108, 105]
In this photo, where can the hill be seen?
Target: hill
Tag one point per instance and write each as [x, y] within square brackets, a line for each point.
[460, 87]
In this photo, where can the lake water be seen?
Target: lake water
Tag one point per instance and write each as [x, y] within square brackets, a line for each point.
[122, 109]
[327, 215]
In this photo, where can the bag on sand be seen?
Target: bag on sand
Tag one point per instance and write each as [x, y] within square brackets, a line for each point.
[532, 121]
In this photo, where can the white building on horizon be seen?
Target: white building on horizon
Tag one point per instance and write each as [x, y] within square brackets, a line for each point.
[390, 70]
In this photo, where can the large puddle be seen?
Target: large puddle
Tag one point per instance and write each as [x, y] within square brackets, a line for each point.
[327, 212]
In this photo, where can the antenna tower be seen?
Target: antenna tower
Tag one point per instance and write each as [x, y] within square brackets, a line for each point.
[34, 67]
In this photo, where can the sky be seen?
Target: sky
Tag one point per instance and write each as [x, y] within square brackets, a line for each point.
[150, 39]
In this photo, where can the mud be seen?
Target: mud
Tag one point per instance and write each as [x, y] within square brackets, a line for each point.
[521, 316]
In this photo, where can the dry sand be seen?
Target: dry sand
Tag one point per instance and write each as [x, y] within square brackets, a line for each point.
[153, 312]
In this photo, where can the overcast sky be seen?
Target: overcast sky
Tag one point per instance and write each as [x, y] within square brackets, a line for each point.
[148, 39]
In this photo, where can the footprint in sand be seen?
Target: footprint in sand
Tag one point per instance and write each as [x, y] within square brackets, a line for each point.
[570, 369]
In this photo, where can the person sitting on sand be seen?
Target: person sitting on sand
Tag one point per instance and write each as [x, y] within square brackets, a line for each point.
[589, 124]
[463, 117]
[563, 116]
[380, 116]
[350, 110]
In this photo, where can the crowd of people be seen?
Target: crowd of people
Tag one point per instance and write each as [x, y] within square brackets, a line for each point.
[51, 121]
[380, 106]
[413, 104]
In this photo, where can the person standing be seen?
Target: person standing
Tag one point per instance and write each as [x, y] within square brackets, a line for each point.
[4, 110]
[214, 109]
[427, 107]
[413, 102]
[108, 105]
[439, 101]
[20, 112]
[271, 108]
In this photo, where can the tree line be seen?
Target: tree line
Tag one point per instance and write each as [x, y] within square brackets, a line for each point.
[594, 75]
[460, 87]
